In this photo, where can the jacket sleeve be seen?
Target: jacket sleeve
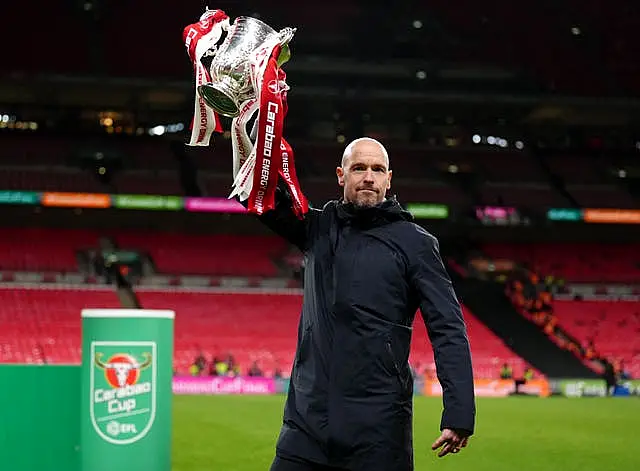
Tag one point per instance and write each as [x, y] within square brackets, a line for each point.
[285, 223]
[443, 318]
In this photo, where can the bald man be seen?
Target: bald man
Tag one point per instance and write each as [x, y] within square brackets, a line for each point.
[369, 268]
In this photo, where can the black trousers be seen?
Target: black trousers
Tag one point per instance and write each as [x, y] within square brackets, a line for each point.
[287, 464]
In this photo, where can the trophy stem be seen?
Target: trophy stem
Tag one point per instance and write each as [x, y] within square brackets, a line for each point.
[219, 97]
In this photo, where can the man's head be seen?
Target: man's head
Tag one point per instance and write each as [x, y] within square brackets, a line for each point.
[364, 172]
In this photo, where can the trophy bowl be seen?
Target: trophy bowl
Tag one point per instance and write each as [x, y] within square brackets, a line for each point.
[230, 82]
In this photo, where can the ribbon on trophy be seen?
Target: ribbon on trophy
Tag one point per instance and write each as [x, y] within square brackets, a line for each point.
[257, 167]
[201, 40]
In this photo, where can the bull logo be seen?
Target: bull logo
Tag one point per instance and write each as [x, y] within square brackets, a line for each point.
[274, 86]
[123, 383]
[122, 369]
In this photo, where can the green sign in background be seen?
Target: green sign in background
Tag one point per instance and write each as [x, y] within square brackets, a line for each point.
[591, 387]
[428, 211]
[39, 418]
[19, 197]
[557, 214]
[148, 202]
[127, 358]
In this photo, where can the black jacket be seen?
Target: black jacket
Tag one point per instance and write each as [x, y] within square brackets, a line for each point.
[366, 273]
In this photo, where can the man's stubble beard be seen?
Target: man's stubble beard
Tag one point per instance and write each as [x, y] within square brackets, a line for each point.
[363, 203]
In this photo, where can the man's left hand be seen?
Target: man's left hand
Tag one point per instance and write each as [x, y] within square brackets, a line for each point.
[451, 441]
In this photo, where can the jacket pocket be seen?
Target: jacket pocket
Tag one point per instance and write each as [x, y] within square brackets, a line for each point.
[392, 359]
[303, 377]
[303, 348]
[403, 380]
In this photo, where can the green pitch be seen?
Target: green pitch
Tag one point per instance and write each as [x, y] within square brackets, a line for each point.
[237, 433]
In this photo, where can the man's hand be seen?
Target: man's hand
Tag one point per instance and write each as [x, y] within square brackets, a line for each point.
[451, 441]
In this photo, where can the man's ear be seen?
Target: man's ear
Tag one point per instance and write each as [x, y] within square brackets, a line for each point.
[389, 181]
[340, 175]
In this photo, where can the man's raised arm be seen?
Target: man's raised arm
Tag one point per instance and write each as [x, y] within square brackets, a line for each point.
[284, 222]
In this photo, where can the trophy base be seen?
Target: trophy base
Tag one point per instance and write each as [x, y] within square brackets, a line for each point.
[219, 100]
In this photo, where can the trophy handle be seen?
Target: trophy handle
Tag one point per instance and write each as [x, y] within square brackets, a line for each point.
[285, 36]
[284, 56]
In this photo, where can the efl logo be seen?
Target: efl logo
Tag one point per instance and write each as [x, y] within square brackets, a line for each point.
[123, 390]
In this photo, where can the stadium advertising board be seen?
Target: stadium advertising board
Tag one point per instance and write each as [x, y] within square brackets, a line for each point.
[135, 202]
[19, 197]
[213, 205]
[75, 200]
[593, 388]
[564, 214]
[214, 385]
[612, 216]
[428, 211]
[500, 216]
[495, 388]
[148, 202]
[488, 215]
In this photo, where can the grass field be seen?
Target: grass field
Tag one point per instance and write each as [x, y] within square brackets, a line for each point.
[238, 433]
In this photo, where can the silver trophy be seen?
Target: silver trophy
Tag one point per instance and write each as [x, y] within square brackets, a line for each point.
[230, 84]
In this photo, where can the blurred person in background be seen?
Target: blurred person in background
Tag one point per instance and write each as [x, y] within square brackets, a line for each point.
[200, 362]
[621, 370]
[368, 268]
[610, 377]
[528, 374]
[254, 370]
[506, 372]
[222, 368]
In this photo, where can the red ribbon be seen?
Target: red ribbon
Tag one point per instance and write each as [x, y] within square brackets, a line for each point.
[191, 35]
[274, 155]
[288, 173]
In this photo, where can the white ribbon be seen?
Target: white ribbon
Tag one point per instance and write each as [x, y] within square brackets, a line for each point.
[204, 118]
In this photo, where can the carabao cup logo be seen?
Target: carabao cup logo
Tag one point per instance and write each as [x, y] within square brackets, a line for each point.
[123, 390]
[122, 369]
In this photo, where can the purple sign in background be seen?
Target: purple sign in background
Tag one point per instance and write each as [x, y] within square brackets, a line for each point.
[213, 205]
[223, 385]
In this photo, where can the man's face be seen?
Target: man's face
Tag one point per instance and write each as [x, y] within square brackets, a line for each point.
[364, 175]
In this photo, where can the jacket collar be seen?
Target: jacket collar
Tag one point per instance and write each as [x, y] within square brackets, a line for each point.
[383, 213]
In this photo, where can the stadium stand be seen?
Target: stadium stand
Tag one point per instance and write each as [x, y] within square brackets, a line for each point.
[613, 327]
[42, 249]
[230, 255]
[491, 36]
[52, 250]
[145, 164]
[209, 255]
[577, 262]
[203, 316]
[496, 36]
[43, 326]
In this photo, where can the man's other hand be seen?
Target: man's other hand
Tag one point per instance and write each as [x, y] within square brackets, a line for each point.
[450, 441]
